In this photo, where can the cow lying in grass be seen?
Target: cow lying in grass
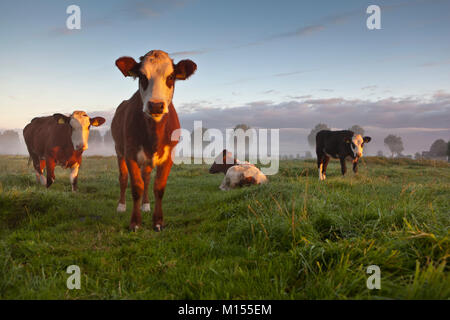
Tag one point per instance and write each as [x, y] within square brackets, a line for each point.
[237, 173]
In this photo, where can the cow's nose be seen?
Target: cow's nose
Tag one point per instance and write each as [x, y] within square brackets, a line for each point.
[156, 107]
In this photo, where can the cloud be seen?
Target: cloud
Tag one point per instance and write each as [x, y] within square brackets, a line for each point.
[390, 113]
[300, 32]
[189, 53]
[369, 88]
[286, 74]
[435, 63]
[419, 121]
[151, 9]
[133, 10]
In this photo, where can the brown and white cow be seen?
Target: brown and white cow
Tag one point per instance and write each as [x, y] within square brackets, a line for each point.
[142, 130]
[58, 140]
[237, 173]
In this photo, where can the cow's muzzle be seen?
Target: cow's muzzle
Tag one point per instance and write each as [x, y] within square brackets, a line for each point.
[156, 108]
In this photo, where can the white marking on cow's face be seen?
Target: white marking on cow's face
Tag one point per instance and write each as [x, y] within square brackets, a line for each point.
[156, 84]
[80, 123]
[357, 146]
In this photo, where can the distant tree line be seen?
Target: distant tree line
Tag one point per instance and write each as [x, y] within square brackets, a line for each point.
[9, 142]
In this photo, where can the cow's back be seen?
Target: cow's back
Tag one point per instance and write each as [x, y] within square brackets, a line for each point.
[37, 133]
[43, 133]
[328, 138]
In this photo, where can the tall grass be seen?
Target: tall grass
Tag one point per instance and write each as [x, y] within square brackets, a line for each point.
[293, 238]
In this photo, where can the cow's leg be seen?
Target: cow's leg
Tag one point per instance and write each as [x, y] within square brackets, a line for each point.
[355, 166]
[320, 160]
[74, 176]
[39, 166]
[123, 182]
[146, 171]
[162, 173]
[137, 189]
[343, 166]
[324, 167]
[50, 162]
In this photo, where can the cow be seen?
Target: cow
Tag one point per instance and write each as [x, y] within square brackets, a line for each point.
[339, 145]
[145, 130]
[237, 173]
[58, 140]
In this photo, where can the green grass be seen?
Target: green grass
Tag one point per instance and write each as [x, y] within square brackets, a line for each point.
[294, 238]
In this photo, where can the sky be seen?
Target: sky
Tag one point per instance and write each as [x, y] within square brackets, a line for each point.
[269, 64]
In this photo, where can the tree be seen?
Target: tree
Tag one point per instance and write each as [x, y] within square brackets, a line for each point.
[107, 138]
[438, 148]
[380, 153]
[308, 155]
[357, 129]
[417, 156]
[394, 143]
[203, 136]
[95, 137]
[448, 151]
[9, 142]
[247, 139]
[313, 133]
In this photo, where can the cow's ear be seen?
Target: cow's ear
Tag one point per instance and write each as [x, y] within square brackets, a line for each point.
[97, 121]
[367, 139]
[184, 69]
[60, 118]
[128, 66]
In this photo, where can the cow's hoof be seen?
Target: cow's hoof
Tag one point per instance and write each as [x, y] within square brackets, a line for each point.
[134, 227]
[122, 207]
[158, 228]
[145, 207]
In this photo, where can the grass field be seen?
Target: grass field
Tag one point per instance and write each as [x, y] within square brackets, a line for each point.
[294, 238]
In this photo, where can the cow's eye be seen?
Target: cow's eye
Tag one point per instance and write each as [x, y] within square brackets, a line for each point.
[143, 81]
[170, 80]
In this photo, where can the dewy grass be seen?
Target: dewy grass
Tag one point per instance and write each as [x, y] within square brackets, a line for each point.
[294, 238]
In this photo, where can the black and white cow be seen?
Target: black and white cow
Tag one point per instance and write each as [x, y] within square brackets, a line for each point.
[339, 145]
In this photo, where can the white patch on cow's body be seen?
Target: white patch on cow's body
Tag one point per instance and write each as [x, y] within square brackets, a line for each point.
[238, 173]
[156, 66]
[80, 122]
[141, 157]
[145, 207]
[357, 147]
[157, 158]
[121, 207]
